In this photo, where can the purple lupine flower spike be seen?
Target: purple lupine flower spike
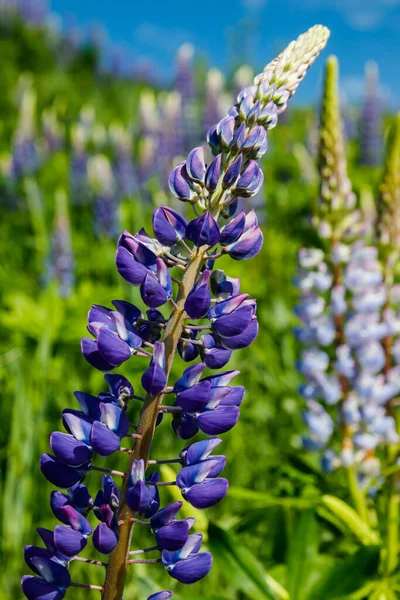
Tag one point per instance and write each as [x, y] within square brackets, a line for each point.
[192, 308]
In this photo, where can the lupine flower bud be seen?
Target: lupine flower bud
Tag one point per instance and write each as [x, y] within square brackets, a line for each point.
[169, 226]
[213, 173]
[179, 184]
[203, 230]
[154, 378]
[160, 595]
[138, 495]
[186, 565]
[215, 355]
[250, 242]
[199, 299]
[233, 172]
[222, 286]
[195, 165]
[225, 129]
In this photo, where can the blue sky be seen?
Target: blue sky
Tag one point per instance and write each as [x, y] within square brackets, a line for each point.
[360, 30]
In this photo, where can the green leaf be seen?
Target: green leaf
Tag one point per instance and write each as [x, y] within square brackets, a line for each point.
[264, 499]
[301, 555]
[383, 591]
[347, 515]
[348, 575]
[242, 567]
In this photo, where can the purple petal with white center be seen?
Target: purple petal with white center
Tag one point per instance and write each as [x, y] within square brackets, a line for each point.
[152, 292]
[69, 450]
[165, 516]
[164, 277]
[93, 356]
[126, 331]
[104, 539]
[248, 245]
[226, 307]
[103, 440]
[36, 588]
[154, 378]
[68, 541]
[137, 472]
[203, 230]
[161, 595]
[217, 421]
[130, 269]
[35, 552]
[234, 397]
[190, 377]
[192, 546]
[115, 418]
[225, 129]
[191, 569]
[138, 497]
[198, 301]
[242, 340]
[199, 450]
[222, 378]
[58, 474]
[217, 394]
[195, 165]
[169, 226]
[206, 494]
[213, 173]
[194, 399]
[52, 571]
[78, 424]
[174, 535]
[129, 311]
[178, 183]
[89, 404]
[100, 314]
[196, 473]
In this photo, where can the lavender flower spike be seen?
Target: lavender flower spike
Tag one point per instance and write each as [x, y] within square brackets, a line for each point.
[204, 317]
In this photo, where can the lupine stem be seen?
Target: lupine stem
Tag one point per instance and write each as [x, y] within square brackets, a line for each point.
[90, 561]
[118, 562]
[145, 561]
[109, 471]
[87, 586]
[152, 549]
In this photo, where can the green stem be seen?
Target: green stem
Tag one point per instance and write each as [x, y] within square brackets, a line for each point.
[118, 563]
[357, 495]
[392, 548]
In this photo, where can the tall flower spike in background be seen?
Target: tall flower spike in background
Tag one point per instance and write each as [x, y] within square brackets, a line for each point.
[348, 323]
[199, 401]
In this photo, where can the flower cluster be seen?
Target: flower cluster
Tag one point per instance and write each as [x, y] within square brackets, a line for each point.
[349, 310]
[210, 319]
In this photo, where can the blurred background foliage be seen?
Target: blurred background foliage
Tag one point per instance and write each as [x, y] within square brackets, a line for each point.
[272, 537]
